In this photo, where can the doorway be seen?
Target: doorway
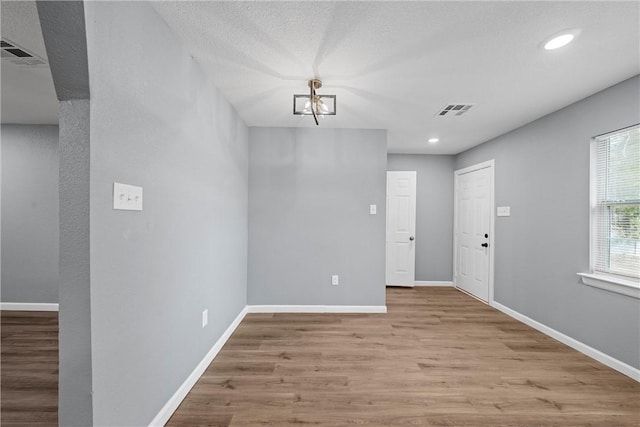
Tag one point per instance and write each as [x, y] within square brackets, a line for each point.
[474, 230]
[401, 228]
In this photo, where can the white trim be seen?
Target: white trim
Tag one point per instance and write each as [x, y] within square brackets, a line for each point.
[593, 201]
[473, 168]
[492, 227]
[412, 228]
[316, 308]
[492, 206]
[612, 283]
[431, 283]
[172, 404]
[28, 306]
[472, 295]
[598, 280]
[583, 348]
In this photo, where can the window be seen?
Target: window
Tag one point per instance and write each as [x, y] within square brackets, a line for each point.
[615, 209]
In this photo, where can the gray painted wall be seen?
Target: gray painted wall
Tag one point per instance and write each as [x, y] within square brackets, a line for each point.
[434, 212]
[63, 30]
[64, 36]
[309, 197]
[30, 213]
[542, 172]
[75, 378]
[156, 122]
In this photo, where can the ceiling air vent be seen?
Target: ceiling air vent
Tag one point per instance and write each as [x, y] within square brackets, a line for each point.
[18, 55]
[454, 109]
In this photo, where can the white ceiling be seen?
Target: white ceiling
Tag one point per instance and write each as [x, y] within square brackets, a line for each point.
[28, 94]
[394, 64]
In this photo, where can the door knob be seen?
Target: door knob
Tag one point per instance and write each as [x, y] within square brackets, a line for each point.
[485, 245]
[411, 238]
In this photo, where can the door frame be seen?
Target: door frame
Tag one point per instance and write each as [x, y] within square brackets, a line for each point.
[415, 226]
[490, 164]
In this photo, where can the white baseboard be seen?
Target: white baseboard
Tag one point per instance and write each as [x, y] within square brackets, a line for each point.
[431, 283]
[317, 308]
[170, 407]
[28, 306]
[601, 357]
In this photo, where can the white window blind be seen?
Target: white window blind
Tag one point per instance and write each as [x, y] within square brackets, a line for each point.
[616, 211]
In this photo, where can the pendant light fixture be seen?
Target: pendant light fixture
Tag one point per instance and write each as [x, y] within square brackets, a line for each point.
[313, 104]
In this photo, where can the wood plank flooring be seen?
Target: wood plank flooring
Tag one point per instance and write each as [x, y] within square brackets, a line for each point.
[29, 368]
[438, 358]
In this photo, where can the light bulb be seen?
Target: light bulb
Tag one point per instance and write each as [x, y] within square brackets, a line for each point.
[307, 107]
[559, 39]
[558, 42]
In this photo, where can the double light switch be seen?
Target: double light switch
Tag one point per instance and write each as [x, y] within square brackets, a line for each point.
[127, 197]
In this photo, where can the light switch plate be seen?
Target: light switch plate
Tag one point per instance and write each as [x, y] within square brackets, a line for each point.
[504, 211]
[335, 279]
[205, 317]
[373, 209]
[127, 197]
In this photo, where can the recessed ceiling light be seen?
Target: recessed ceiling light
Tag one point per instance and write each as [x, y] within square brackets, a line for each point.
[433, 140]
[559, 39]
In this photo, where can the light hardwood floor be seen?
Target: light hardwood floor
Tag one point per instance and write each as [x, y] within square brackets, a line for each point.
[29, 369]
[438, 358]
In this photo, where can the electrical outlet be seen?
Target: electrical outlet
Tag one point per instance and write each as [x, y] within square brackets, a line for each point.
[205, 318]
[335, 280]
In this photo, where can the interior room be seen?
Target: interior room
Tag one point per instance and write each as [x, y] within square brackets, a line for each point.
[331, 213]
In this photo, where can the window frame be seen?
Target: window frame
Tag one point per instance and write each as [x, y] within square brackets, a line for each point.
[624, 285]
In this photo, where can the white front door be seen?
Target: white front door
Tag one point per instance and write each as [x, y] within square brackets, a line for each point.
[401, 228]
[473, 229]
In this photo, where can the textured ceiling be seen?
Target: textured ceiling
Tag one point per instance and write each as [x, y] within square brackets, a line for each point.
[394, 64]
[28, 94]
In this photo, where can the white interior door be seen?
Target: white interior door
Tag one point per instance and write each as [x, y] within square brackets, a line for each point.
[401, 228]
[473, 230]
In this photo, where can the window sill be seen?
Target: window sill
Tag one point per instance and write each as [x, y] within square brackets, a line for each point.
[619, 285]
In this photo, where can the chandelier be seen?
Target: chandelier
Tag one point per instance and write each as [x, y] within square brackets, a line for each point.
[313, 104]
